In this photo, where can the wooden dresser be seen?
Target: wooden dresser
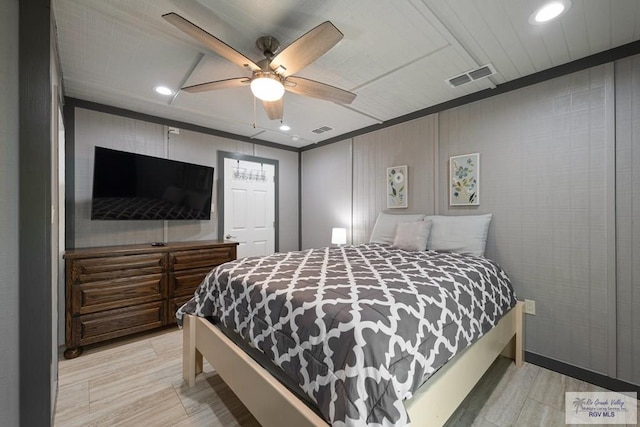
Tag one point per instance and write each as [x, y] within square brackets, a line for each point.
[120, 290]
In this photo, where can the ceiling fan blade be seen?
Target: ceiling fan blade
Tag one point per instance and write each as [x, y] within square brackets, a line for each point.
[274, 109]
[210, 41]
[315, 89]
[306, 49]
[218, 84]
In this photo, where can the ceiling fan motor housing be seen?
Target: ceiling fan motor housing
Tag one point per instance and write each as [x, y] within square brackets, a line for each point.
[268, 46]
[267, 74]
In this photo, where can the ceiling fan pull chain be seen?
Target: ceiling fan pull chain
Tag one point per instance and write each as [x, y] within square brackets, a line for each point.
[254, 112]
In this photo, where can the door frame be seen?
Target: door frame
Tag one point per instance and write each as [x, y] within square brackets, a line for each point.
[222, 155]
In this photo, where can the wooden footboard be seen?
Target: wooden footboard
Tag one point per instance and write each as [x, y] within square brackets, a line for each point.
[440, 396]
[272, 404]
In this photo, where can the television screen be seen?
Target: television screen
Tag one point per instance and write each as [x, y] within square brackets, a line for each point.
[134, 186]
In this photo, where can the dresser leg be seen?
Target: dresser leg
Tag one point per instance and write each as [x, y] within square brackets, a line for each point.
[72, 353]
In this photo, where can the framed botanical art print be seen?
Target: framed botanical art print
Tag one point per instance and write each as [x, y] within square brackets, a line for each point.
[397, 193]
[464, 180]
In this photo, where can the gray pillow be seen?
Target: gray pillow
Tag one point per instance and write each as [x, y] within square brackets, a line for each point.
[462, 234]
[384, 230]
[412, 236]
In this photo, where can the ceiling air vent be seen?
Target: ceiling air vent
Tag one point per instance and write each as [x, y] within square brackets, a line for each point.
[322, 129]
[460, 80]
[469, 76]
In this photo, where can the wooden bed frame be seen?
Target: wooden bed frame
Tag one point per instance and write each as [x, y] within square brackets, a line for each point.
[272, 404]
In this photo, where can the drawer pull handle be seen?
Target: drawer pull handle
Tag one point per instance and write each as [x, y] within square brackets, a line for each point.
[229, 236]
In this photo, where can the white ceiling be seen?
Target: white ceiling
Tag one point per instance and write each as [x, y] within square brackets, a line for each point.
[395, 55]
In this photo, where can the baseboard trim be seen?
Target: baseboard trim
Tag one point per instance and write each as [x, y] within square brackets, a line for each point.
[595, 378]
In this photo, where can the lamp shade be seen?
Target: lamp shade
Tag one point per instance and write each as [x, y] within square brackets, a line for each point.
[267, 87]
[338, 236]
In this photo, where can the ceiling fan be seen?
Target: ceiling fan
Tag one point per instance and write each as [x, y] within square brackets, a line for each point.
[272, 75]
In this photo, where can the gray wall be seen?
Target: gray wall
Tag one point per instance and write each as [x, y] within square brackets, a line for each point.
[563, 226]
[36, 278]
[106, 130]
[9, 360]
[628, 209]
[93, 128]
[194, 147]
[413, 144]
[326, 193]
[344, 184]
[543, 176]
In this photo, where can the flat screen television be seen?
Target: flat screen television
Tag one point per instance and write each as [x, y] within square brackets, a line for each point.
[130, 186]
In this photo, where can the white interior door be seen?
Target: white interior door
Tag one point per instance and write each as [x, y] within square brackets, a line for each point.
[57, 241]
[249, 206]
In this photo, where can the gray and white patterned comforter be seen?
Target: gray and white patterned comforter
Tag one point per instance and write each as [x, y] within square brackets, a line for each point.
[359, 328]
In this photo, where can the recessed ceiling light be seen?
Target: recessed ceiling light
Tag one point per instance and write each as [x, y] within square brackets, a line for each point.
[549, 11]
[163, 90]
[295, 138]
[285, 128]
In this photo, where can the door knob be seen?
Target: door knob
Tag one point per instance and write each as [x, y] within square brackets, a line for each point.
[229, 236]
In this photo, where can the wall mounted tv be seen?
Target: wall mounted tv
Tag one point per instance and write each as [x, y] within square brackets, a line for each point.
[130, 186]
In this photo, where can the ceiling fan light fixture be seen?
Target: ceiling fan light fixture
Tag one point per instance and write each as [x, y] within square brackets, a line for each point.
[267, 86]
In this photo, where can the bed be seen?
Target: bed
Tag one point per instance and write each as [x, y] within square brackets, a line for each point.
[368, 335]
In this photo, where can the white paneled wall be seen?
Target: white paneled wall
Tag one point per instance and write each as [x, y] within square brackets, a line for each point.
[94, 128]
[119, 133]
[543, 176]
[195, 147]
[326, 193]
[628, 216]
[412, 144]
[559, 173]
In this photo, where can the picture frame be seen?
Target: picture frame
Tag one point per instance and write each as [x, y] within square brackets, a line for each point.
[464, 180]
[397, 187]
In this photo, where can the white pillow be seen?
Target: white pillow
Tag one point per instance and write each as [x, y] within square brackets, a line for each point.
[462, 234]
[384, 230]
[412, 236]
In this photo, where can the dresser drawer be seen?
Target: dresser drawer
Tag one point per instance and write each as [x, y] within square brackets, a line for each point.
[114, 291]
[123, 292]
[185, 282]
[197, 258]
[109, 268]
[106, 325]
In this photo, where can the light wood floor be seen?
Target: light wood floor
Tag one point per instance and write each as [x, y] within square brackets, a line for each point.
[138, 382]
